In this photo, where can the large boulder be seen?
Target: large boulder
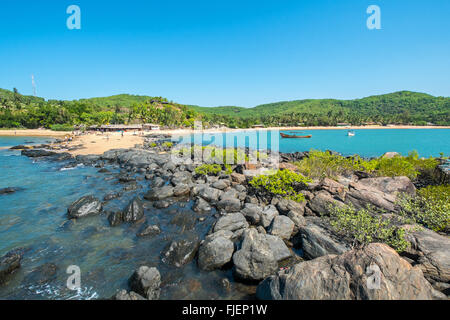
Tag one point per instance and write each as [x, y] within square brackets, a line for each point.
[252, 212]
[84, 206]
[282, 227]
[267, 215]
[134, 211]
[231, 222]
[279, 249]
[181, 252]
[210, 194]
[317, 239]
[9, 263]
[284, 206]
[159, 193]
[322, 202]
[380, 192]
[431, 252]
[215, 252]
[229, 205]
[255, 259]
[181, 190]
[353, 275]
[181, 177]
[146, 282]
[201, 205]
[391, 185]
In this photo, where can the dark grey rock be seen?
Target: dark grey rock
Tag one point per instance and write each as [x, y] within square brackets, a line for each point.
[215, 253]
[229, 205]
[252, 213]
[180, 252]
[149, 231]
[254, 260]
[282, 227]
[9, 264]
[231, 222]
[134, 211]
[146, 282]
[85, 206]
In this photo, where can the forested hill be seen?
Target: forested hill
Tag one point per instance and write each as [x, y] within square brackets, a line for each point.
[399, 107]
[403, 107]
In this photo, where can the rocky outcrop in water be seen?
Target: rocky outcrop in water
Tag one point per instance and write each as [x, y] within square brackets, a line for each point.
[146, 282]
[87, 205]
[9, 190]
[180, 252]
[9, 264]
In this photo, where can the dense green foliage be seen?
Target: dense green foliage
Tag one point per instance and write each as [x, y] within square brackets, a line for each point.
[284, 183]
[321, 164]
[364, 227]
[403, 107]
[18, 111]
[208, 169]
[430, 208]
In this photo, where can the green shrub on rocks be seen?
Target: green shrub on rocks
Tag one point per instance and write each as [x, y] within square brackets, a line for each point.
[363, 227]
[324, 164]
[284, 183]
[321, 164]
[208, 169]
[430, 208]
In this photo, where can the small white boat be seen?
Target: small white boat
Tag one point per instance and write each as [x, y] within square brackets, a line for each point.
[350, 133]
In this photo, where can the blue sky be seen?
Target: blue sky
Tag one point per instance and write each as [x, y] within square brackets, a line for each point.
[230, 52]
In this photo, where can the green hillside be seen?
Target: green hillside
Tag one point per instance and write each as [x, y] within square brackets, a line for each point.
[402, 107]
[399, 107]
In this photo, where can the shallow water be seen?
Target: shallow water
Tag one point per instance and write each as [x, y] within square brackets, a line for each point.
[366, 142]
[35, 218]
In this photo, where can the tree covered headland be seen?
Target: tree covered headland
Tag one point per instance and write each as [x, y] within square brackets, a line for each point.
[20, 111]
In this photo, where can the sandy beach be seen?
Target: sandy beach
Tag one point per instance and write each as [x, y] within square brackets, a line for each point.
[98, 143]
[33, 133]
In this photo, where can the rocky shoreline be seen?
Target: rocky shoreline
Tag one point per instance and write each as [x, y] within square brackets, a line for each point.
[259, 237]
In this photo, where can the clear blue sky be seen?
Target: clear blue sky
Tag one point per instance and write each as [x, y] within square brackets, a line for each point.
[225, 52]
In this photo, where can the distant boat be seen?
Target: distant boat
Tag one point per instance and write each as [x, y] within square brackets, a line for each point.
[283, 135]
[350, 133]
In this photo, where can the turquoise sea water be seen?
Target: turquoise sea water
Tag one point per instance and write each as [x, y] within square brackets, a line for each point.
[366, 142]
[35, 218]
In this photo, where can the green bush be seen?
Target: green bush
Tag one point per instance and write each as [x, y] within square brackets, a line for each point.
[152, 145]
[167, 144]
[208, 169]
[394, 167]
[321, 164]
[284, 183]
[363, 227]
[61, 127]
[430, 208]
